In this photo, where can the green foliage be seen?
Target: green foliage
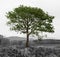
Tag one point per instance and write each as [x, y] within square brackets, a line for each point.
[32, 19]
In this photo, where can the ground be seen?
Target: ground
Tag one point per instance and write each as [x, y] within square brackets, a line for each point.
[33, 51]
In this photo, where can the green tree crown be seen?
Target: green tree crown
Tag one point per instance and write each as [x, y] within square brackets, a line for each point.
[37, 20]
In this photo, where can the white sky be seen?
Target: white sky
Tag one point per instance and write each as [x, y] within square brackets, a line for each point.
[50, 6]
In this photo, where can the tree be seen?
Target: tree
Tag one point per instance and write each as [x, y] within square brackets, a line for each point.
[29, 20]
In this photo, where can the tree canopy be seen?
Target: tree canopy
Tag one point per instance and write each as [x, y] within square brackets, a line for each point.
[30, 20]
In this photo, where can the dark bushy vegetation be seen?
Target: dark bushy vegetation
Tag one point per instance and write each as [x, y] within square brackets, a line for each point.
[29, 52]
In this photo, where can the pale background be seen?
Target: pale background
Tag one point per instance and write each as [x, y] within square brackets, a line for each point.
[50, 6]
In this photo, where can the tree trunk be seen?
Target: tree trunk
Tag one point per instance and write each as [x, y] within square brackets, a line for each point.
[27, 41]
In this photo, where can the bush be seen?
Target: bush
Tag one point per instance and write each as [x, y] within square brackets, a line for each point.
[29, 52]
